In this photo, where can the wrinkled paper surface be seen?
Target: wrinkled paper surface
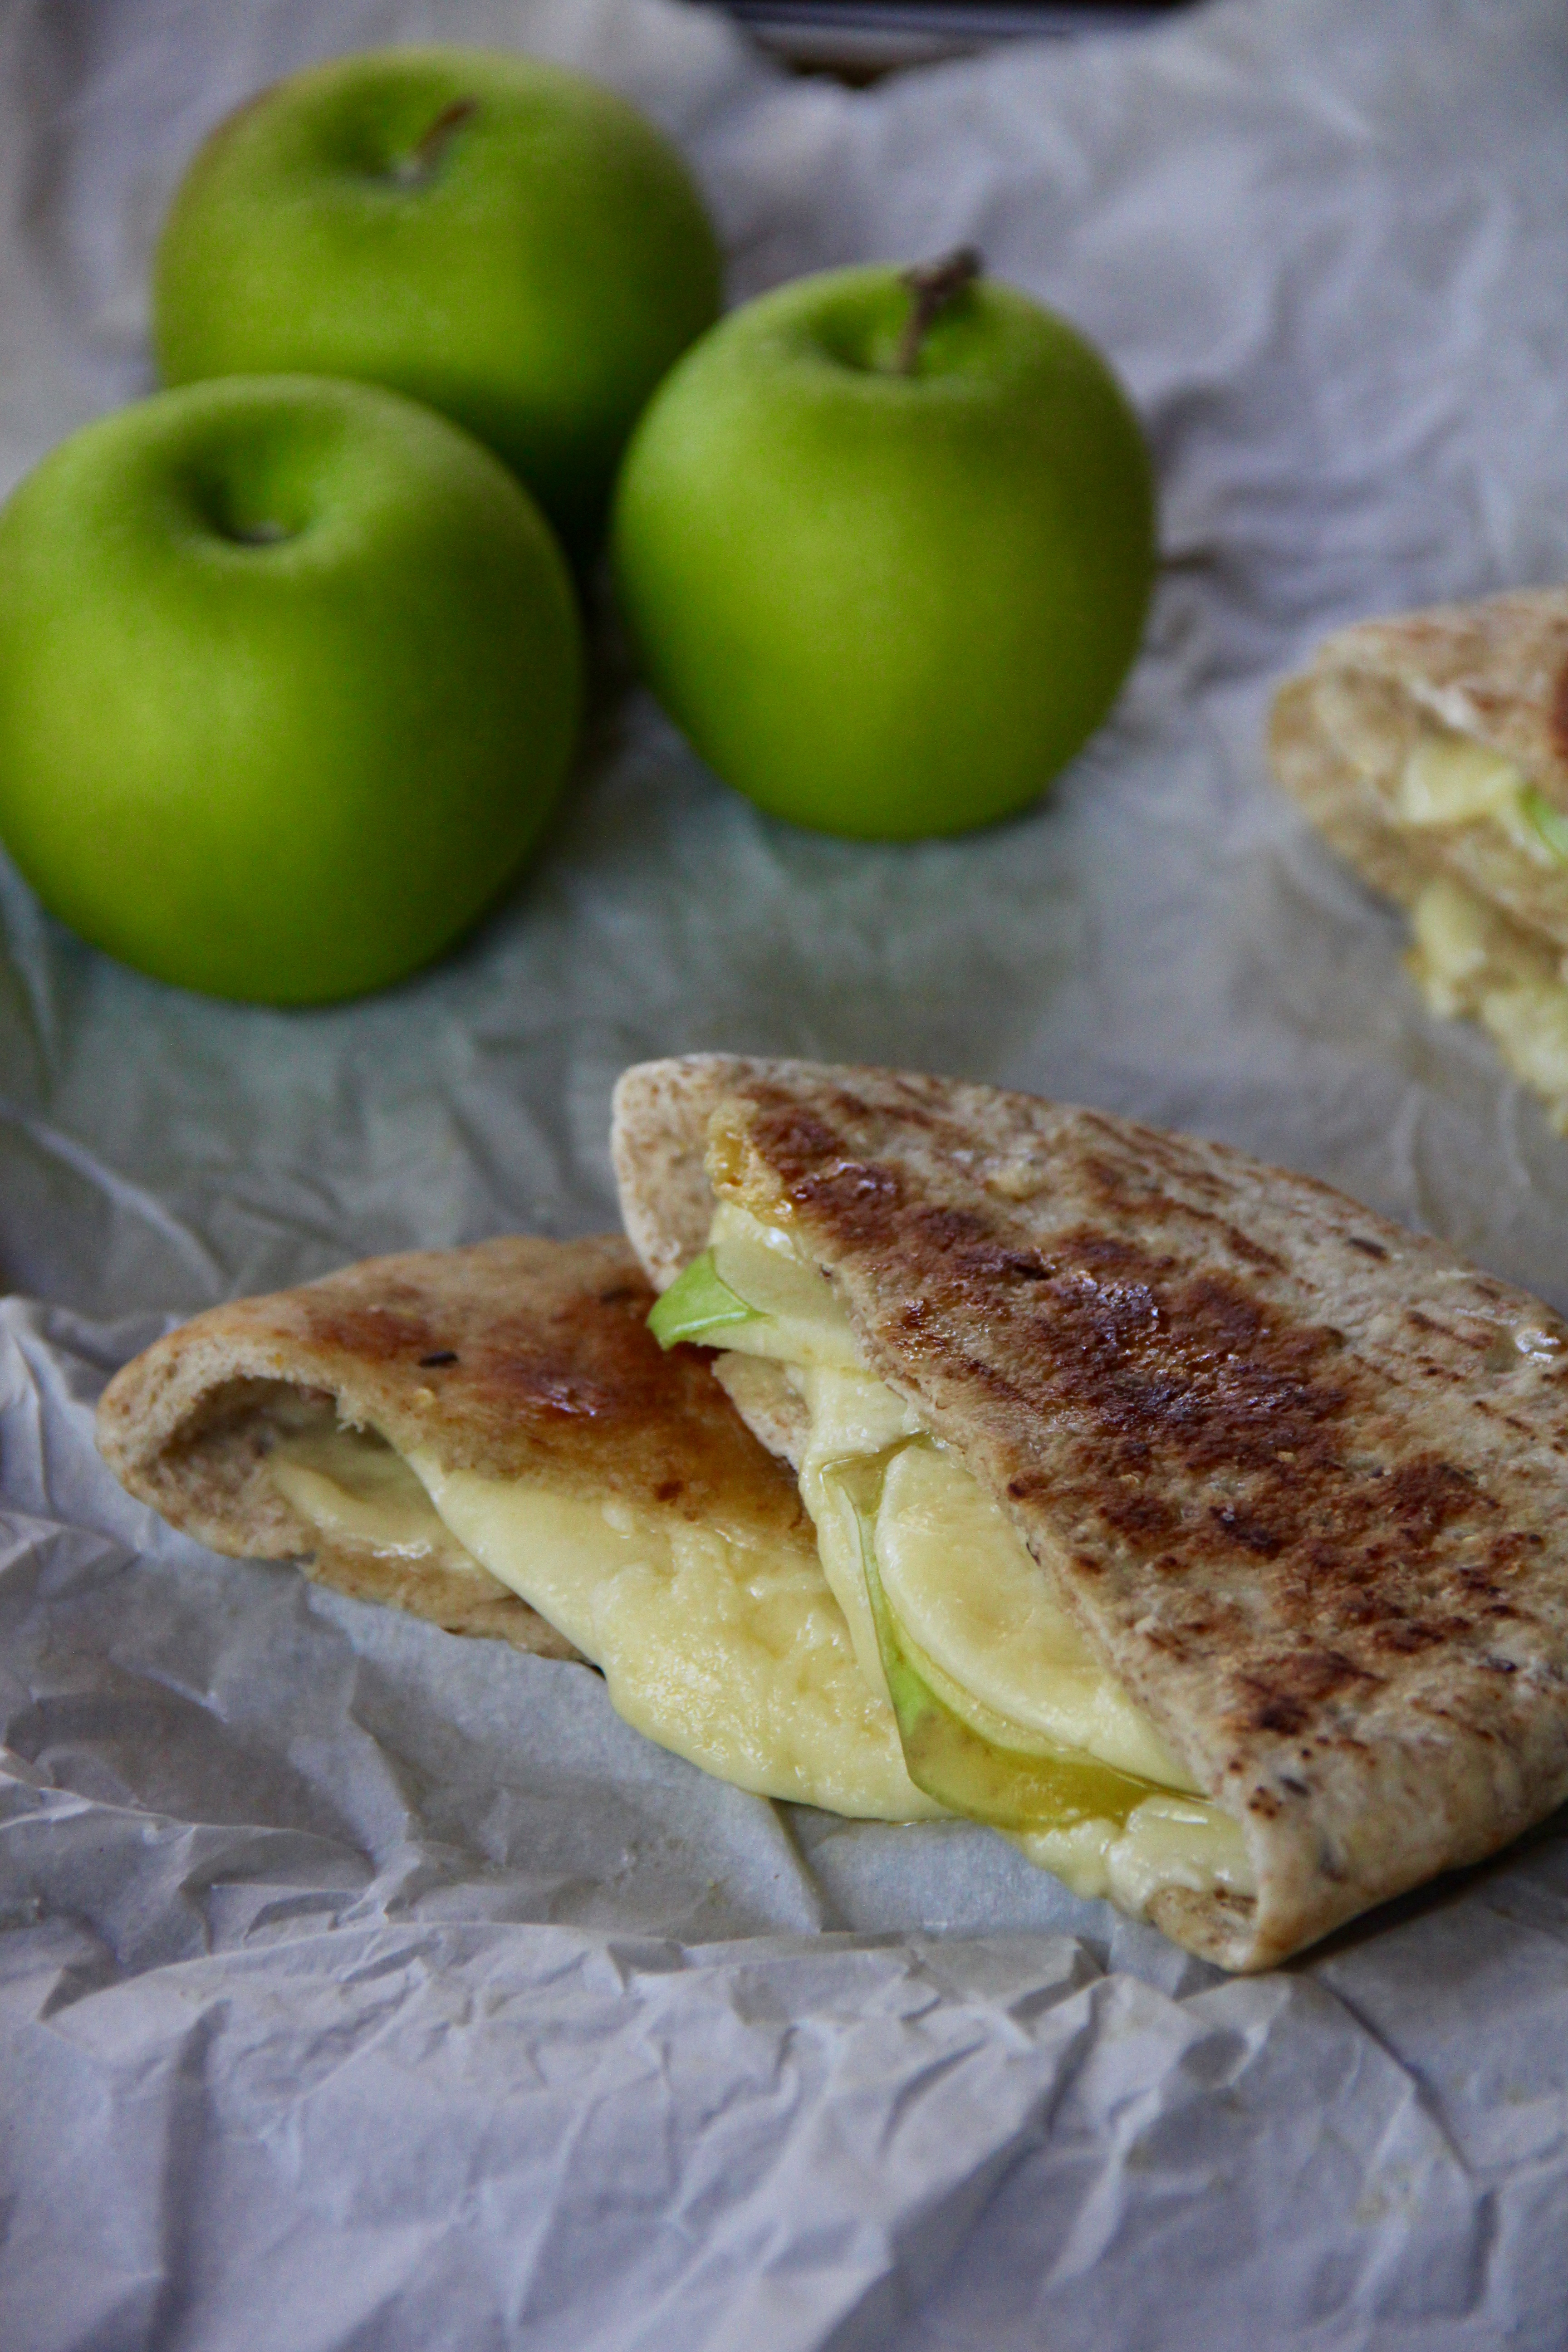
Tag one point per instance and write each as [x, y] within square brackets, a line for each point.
[365, 1987]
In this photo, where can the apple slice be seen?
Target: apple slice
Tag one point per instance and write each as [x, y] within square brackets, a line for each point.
[956, 1749]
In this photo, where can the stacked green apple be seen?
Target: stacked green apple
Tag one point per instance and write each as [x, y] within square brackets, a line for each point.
[494, 235]
[290, 659]
[290, 656]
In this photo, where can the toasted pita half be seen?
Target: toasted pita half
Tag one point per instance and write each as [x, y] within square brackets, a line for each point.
[1296, 1478]
[1431, 751]
[491, 1438]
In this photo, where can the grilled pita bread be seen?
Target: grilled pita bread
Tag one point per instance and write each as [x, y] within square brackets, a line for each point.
[1298, 1476]
[1431, 751]
[464, 1432]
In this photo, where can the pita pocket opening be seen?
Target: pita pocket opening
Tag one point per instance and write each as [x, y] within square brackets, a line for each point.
[1176, 1518]
[1431, 751]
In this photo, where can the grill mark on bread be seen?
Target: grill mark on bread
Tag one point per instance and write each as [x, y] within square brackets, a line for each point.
[521, 1359]
[1125, 1194]
[545, 1371]
[1432, 1702]
[603, 1367]
[1291, 1694]
[1194, 1411]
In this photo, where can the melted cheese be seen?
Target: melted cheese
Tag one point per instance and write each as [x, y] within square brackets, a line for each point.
[1450, 780]
[1465, 959]
[350, 1486]
[1165, 1842]
[995, 1645]
[731, 1655]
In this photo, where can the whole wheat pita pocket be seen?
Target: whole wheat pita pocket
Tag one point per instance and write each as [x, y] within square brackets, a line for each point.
[1431, 751]
[489, 1437]
[1296, 1476]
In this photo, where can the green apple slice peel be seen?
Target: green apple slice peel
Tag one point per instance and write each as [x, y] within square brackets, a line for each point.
[994, 1774]
[956, 1749]
[700, 1304]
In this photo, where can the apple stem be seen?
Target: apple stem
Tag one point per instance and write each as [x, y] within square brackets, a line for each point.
[420, 163]
[932, 285]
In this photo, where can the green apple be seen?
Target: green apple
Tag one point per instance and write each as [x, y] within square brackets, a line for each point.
[884, 543]
[290, 673]
[488, 232]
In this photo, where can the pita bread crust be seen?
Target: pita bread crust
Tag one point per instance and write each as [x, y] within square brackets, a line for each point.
[197, 1454]
[523, 1358]
[1496, 669]
[1288, 1463]
[1496, 672]
[658, 1138]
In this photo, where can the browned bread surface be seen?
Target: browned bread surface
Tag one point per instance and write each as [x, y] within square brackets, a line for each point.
[1302, 1475]
[523, 1358]
[1496, 672]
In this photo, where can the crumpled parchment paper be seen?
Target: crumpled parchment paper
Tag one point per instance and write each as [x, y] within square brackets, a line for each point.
[364, 1988]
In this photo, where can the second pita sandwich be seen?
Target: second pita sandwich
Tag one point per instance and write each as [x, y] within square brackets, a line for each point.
[1205, 1530]
[1431, 751]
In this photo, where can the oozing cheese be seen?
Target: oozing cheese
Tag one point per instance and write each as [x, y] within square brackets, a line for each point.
[732, 1654]
[1465, 958]
[1450, 780]
[966, 1596]
[1166, 1841]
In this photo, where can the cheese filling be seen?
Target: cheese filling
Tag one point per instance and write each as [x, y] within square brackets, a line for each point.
[1467, 959]
[1003, 1711]
[724, 1646]
[352, 1487]
[916, 1662]
[1450, 779]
